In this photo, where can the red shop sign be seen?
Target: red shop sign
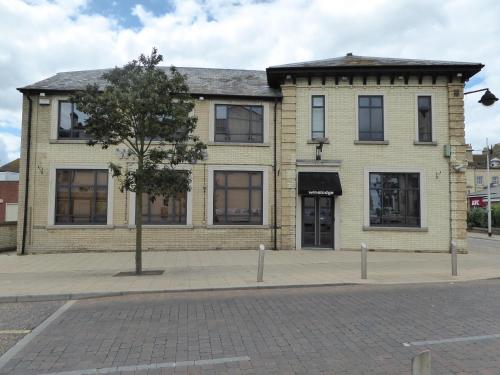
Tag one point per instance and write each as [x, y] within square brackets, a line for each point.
[477, 202]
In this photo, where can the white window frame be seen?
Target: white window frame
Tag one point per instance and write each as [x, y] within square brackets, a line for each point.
[384, 114]
[11, 209]
[189, 206]
[325, 95]
[423, 195]
[243, 168]
[52, 195]
[494, 180]
[433, 117]
[478, 182]
[211, 121]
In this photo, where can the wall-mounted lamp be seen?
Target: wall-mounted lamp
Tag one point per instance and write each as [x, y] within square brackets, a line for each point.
[487, 99]
[319, 149]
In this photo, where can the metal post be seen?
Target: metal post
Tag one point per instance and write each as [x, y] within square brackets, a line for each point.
[260, 267]
[454, 259]
[421, 363]
[364, 252]
[489, 186]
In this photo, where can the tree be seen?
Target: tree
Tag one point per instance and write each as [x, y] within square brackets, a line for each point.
[148, 111]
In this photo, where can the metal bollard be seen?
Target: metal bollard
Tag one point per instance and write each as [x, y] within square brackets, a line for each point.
[454, 258]
[364, 252]
[260, 267]
[421, 363]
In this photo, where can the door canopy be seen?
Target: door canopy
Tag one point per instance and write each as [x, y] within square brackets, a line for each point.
[319, 183]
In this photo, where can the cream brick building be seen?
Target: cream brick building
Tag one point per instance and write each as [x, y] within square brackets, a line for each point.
[477, 179]
[322, 154]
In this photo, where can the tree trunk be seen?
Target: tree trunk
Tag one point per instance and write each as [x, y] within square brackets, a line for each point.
[138, 223]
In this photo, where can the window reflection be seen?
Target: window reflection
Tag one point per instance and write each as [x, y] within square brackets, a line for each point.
[237, 197]
[394, 199]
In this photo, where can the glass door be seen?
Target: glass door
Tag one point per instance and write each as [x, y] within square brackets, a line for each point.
[317, 222]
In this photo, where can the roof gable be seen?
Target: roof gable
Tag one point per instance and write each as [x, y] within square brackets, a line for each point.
[13, 166]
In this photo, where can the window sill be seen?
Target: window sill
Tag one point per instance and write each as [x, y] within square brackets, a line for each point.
[81, 141]
[80, 226]
[396, 229]
[417, 143]
[371, 142]
[325, 141]
[237, 226]
[239, 144]
[163, 226]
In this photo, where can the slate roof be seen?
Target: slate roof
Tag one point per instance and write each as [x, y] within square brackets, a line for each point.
[13, 166]
[203, 81]
[368, 61]
[265, 84]
[366, 65]
[495, 193]
[479, 160]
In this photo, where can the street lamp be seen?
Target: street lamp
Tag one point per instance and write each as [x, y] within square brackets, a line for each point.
[487, 100]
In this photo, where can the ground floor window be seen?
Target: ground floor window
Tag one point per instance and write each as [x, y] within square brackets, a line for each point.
[238, 197]
[394, 199]
[172, 210]
[81, 196]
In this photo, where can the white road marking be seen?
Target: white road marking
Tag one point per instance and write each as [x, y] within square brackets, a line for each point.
[453, 340]
[14, 331]
[9, 354]
[109, 370]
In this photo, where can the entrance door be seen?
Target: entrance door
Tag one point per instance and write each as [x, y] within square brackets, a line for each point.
[317, 222]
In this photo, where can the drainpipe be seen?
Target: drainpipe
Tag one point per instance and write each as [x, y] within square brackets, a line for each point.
[275, 224]
[27, 178]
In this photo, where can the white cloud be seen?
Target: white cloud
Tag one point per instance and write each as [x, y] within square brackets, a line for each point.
[9, 147]
[46, 37]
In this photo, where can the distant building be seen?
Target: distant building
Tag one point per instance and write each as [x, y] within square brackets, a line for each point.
[9, 187]
[480, 198]
[476, 170]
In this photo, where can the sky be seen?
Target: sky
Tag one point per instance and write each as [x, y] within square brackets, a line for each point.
[39, 38]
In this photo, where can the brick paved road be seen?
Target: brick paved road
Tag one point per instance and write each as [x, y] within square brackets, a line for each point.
[22, 316]
[329, 330]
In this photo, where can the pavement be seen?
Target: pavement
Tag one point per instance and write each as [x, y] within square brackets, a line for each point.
[344, 330]
[81, 275]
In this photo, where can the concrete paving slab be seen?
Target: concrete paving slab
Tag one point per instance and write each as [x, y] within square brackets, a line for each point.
[85, 275]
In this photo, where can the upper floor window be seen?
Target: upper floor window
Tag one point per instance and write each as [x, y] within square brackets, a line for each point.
[371, 118]
[479, 180]
[395, 199]
[71, 121]
[81, 196]
[318, 116]
[238, 198]
[424, 119]
[239, 123]
[172, 210]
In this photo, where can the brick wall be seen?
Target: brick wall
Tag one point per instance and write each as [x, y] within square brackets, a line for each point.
[8, 194]
[472, 173]
[443, 213]
[47, 152]
[400, 153]
[7, 236]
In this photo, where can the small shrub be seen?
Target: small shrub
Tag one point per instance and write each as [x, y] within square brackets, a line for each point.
[495, 215]
[477, 217]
